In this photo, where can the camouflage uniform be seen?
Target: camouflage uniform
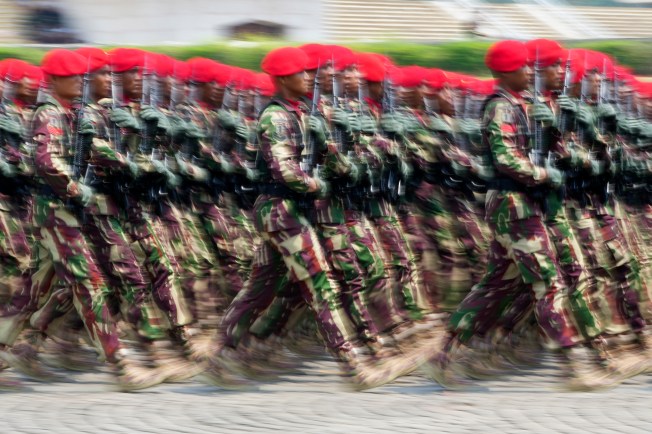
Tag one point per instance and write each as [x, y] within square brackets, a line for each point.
[521, 255]
[61, 249]
[290, 242]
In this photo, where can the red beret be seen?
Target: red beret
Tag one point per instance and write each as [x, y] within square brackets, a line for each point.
[371, 67]
[644, 89]
[223, 74]
[435, 78]
[202, 70]
[506, 56]
[181, 70]
[124, 59]
[317, 55]
[284, 61]
[246, 79]
[164, 65]
[63, 63]
[410, 76]
[549, 52]
[35, 74]
[341, 57]
[265, 84]
[624, 74]
[96, 56]
[13, 69]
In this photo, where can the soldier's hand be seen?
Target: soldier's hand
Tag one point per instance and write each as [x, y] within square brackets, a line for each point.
[606, 111]
[317, 128]
[439, 125]
[585, 116]
[482, 169]
[193, 131]
[151, 115]
[630, 126]
[227, 119]
[85, 194]
[567, 104]
[597, 167]
[471, 128]
[11, 126]
[133, 169]
[354, 122]
[392, 123]
[87, 128]
[181, 164]
[368, 125]
[405, 168]
[252, 174]
[123, 119]
[159, 166]
[7, 170]
[242, 131]
[172, 180]
[354, 172]
[543, 113]
[226, 166]
[323, 188]
[555, 176]
[340, 119]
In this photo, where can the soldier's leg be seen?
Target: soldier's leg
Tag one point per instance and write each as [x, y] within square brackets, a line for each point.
[349, 274]
[378, 291]
[151, 253]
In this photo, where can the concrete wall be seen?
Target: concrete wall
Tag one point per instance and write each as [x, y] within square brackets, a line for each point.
[187, 21]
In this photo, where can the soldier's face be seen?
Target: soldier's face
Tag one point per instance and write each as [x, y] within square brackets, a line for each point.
[516, 81]
[101, 83]
[553, 77]
[132, 84]
[67, 88]
[26, 90]
[166, 86]
[310, 78]
[294, 84]
[350, 81]
[326, 79]
[444, 100]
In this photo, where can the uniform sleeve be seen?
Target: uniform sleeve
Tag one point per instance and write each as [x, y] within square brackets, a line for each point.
[50, 154]
[103, 153]
[280, 152]
[503, 135]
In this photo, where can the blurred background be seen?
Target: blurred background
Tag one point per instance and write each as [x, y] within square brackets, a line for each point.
[239, 32]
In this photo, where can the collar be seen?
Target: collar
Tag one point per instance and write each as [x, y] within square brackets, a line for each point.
[513, 97]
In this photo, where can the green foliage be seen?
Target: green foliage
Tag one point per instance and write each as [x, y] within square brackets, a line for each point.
[463, 56]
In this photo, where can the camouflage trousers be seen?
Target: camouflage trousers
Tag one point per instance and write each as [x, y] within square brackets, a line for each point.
[14, 250]
[449, 276]
[124, 276]
[145, 233]
[348, 272]
[292, 257]
[233, 244]
[62, 252]
[580, 282]
[521, 259]
[186, 242]
[636, 225]
[400, 262]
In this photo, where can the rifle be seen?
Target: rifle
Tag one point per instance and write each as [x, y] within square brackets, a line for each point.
[309, 161]
[338, 134]
[563, 117]
[537, 153]
[393, 184]
[79, 145]
[8, 94]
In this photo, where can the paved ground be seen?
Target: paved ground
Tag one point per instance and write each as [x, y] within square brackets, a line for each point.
[318, 402]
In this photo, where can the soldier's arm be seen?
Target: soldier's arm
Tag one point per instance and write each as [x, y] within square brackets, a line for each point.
[103, 153]
[281, 154]
[503, 135]
[50, 162]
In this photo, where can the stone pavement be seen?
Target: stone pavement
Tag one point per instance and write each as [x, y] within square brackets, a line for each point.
[317, 401]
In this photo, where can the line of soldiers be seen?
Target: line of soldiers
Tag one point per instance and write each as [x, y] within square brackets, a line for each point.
[195, 218]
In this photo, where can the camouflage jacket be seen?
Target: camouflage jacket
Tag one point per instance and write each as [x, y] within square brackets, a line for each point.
[506, 133]
[281, 133]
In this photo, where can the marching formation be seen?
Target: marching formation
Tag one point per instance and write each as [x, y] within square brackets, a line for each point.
[173, 219]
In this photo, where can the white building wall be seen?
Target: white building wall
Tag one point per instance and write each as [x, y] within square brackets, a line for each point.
[187, 21]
